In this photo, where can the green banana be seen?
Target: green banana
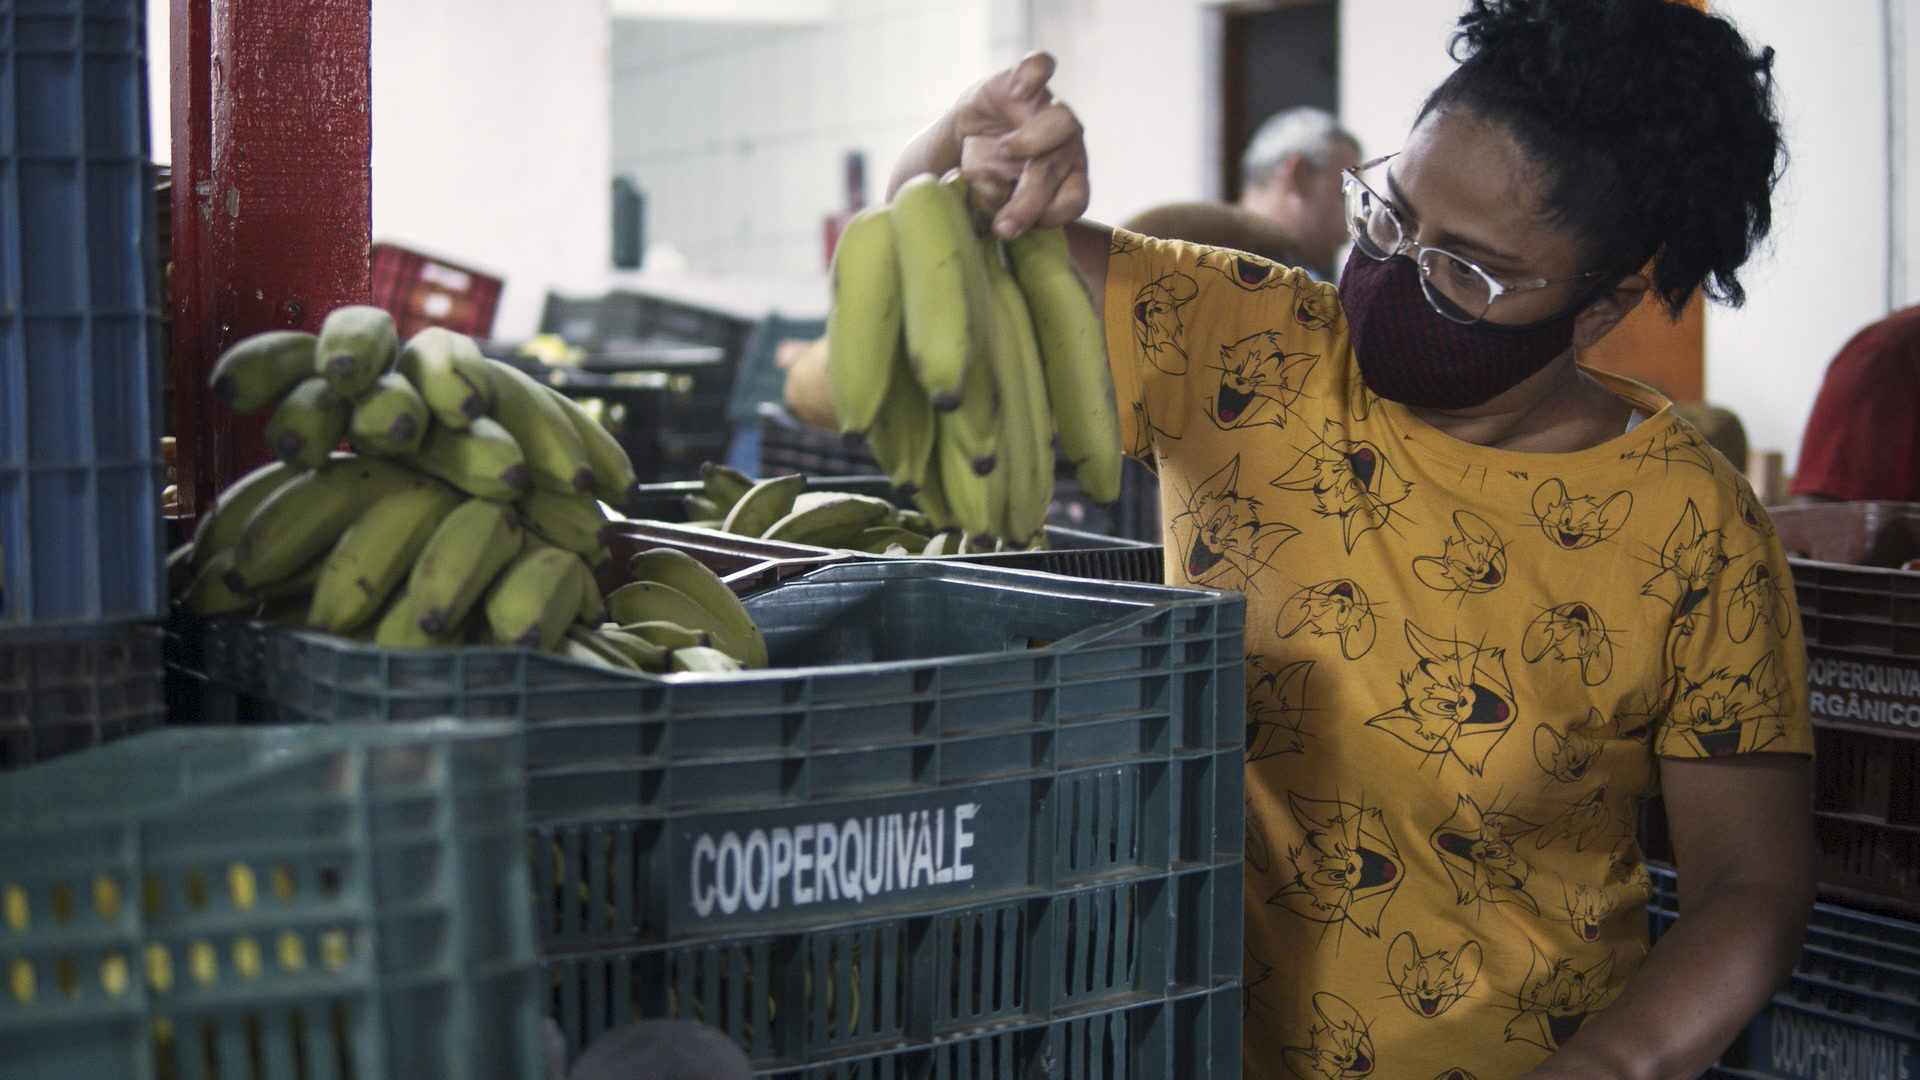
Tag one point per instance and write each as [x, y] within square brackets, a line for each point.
[945, 542]
[297, 524]
[593, 606]
[1073, 353]
[730, 626]
[931, 495]
[613, 475]
[589, 646]
[472, 545]
[863, 319]
[258, 370]
[483, 460]
[389, 420]
[374, 555]
[943, 286]
[573, 522]
[901, 433]
[1026, 431]
[915, 521]
[702, 660]
[961, 486]
[667, 635]
[649, 601]
[556, 458]
[701, 508]
[212, 592]
[356, 346]
[399, 628]
[877, 539]
[722, 486]
[834, 524]
[764, 503]
[450, 374]
[220, 526]
[534, 599]
[308, 423]
[645, 654]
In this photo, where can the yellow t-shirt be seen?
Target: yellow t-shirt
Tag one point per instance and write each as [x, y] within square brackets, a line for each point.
[1462, 666]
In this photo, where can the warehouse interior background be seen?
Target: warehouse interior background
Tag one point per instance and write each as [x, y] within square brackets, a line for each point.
[499, 124]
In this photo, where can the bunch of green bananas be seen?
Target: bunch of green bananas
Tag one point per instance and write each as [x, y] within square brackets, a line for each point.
[958, 357]
[468, 512]
[782, 508]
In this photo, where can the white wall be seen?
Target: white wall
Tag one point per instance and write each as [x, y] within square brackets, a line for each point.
[737, 131]
[491, 135]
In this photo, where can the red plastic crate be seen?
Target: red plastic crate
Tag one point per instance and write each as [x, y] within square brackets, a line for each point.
[421, 291]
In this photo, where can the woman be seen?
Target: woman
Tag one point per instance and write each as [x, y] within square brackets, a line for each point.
[1491, 596]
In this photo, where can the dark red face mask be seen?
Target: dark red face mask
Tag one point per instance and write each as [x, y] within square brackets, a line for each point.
[1412, 354]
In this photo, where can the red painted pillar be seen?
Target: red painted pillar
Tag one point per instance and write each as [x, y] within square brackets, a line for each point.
[272, 198]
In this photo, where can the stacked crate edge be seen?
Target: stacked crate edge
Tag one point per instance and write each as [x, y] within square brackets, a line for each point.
[80, 539]
[272, 902]
[71, 688]
[1052, 767]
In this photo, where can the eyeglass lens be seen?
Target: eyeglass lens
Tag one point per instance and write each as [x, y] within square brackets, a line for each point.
[1456, 288]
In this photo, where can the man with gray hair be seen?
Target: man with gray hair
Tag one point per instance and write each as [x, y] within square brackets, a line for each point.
[1290, 201]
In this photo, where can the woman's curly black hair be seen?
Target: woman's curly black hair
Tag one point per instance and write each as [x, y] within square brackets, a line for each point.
[1655, 122]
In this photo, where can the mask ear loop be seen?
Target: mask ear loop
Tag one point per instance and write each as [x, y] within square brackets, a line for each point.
[1600, 288]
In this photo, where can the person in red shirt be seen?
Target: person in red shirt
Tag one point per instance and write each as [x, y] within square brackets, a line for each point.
[1863, 439]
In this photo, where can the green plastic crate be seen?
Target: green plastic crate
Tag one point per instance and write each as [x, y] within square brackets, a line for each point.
[297, 902]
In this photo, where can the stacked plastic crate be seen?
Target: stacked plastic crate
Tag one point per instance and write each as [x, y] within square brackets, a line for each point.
[80, 542]
[972, 823]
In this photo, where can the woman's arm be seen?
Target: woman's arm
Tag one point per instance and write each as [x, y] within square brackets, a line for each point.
[1742, 832]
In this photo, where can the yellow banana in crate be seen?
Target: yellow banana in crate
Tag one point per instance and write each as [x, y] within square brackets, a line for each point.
[375, 554]
[943, 285]
[644, 654]
[651, 601]
[863, 319]
[763, 504]
[588, 646]
[450, 374]
[877, 539]
[356, 346]
[483, 459]
[574, 522]
[832, 523]
[722, 486]
[474, 542]
[1026, 429]
[730, 626]
[556, 458]
[535, 598]
[613, 475]
[399, 628]
[258, 370]
[702, 660]
[593, 606]
[212, 593]
[1074, 356]
[302, 520]
[220, 526]
[901, 434]
[931, 495]
[389, 420]
[667, 635]
[308, 423]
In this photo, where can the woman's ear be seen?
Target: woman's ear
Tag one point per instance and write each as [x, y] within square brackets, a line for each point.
[1605, 313]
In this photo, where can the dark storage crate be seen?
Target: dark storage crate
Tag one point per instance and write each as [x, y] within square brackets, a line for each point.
[280, 904]
[79, 383]
[67, 690]
[660, 509]
[421, 291]
[1850, 1008]
[789, 446]
[595, 323]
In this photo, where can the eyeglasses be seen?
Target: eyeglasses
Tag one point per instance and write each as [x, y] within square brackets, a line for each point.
[1456, 287]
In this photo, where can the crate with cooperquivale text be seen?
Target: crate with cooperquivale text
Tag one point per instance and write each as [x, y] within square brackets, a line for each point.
[961, 800]
[283, 903]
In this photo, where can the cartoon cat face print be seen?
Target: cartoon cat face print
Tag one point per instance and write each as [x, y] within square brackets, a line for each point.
[1314, 307]
[1556, 998]
[1477, 849]
[1276, 707]
[1250, 272]
[1338, 608]
[1344, 870]
[1339, 1044]
[1225, 534]
[1259, 382]
[1579, 823]
[1473, 559]
[1688, 563]
[1756, 602]
[1728, 713]
[1574, 523]
[1572, 633]
[1430, 982]
[1351, 481]
[1458, 702]
[1157, 325]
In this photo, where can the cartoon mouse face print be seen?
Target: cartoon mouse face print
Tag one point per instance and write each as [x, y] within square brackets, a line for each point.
[1574, 523]
[1157, 325]
[1458, 701]
[1429, 983]
[1224, 533]
[1338, 608]
[1345, 869]
[1587, 909]
[1259, 382]
[1566, 758]
[1339, 1045]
